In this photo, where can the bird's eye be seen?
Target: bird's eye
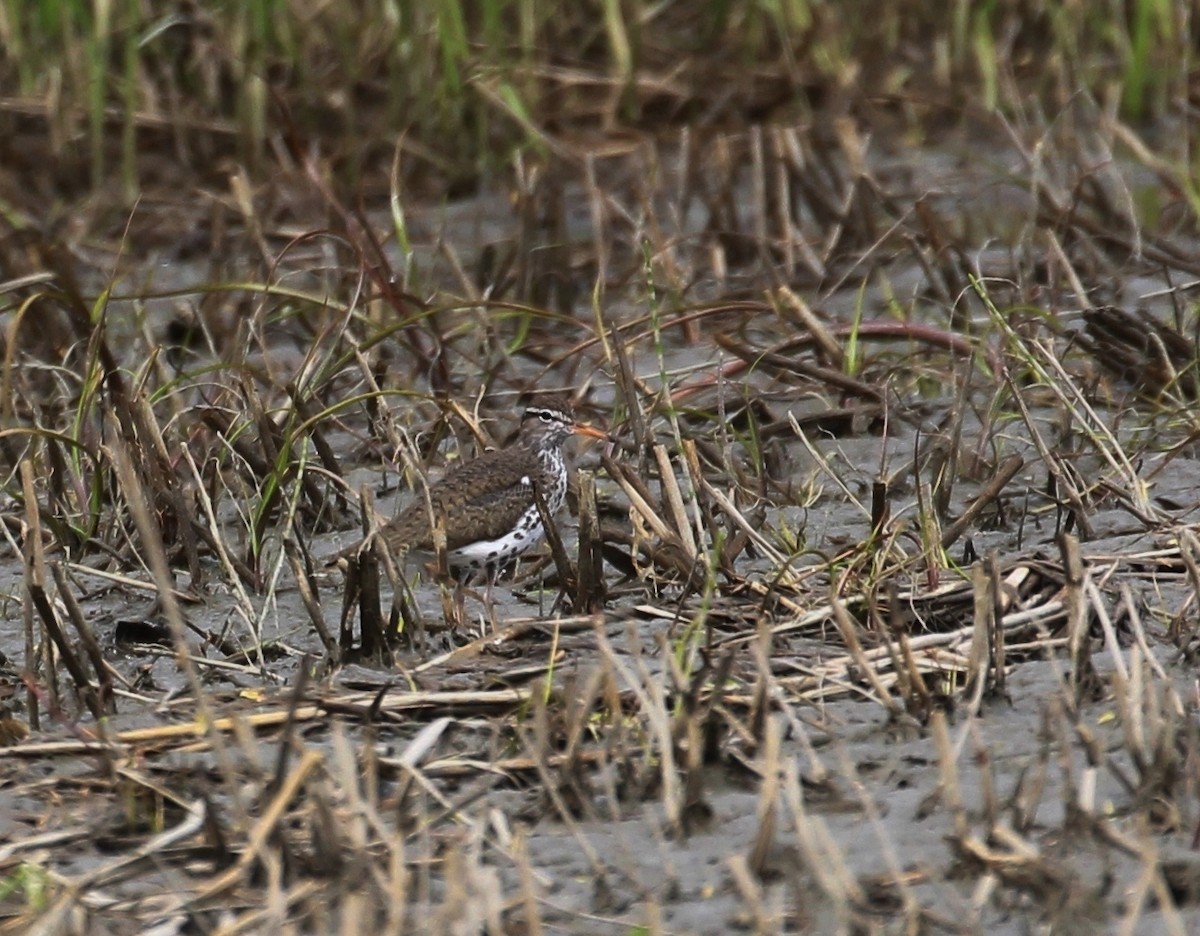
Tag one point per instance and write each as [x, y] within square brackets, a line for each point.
[545, 416]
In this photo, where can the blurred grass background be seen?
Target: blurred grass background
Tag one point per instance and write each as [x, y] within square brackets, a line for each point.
[97, 91]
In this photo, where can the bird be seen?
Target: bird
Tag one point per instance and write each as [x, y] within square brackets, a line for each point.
[487, 506]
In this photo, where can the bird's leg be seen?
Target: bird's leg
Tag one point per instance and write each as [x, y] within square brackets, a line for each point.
[489, 595]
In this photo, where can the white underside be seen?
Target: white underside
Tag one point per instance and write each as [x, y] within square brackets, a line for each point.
[493, 552]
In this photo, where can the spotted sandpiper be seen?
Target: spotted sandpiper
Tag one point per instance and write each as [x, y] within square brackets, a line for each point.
[487, 505]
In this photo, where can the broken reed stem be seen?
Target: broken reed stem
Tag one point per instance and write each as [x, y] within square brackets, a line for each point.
[702, 517]
[768, 792]
[674, 500]
[1053, 463]
[639, 500]
[309, 598]
[981, 626]
[169, 488]
[991, 491]
[997, 678]
[751, 893]
[590, 594]
[37, 594]
[652, 699]
[627, 384]
[567, 576]
[33, 561]
[104, 672]
[154, 555]
[1078, 642]
[951, 792]
[819, 851]
[847, 628]
[777, 558]
[263, 830]
[1189, 554]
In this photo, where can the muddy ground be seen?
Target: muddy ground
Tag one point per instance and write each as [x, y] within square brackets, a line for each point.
[833, 716]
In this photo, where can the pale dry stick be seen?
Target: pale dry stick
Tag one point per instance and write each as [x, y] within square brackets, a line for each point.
[1049, 459]
[1060, 255]
[470, 898]
[691, 462]
[466, 282]
[532, 920]
[75, 614]
[1017, 845]
[591, 592]
[887, 847]
[1095, 599]
[950, 790]
[1133, 709]
[551, 788]
[982, 762]
[242, 600]
[1166, 900]
[845, 627]
[1004, 473]
[1134, 895]
[1074, 577]
[1057, 709]
[126, 582]
[600, 239]
[789, 232]
[1085, 793]
[1189, 554]
[864, 255]
[656, 713]
[653, 917]
[853, 147]
[1039, 358]
[309, 599]
[824, 465]
[44, 840]
[227, 666]
[260, 833]
[793, 152]
[769, 591]
[758, 187]
[508, 637]
[33, 570]
[731, 511]
[55, 635]
[656, 523]
[765, 923]
[981, 625]
[797, 731]
[834, 679]
[267, 919]
[822, 613]
[156, 558]
[364, 819]
[983, 895]
[258, 617]
[822, 856]
[766, 810]
[1112, 452]
[158, 461]
[51, 922]
[830, 347]
[674, 500]
[1139, 634]
[381, 416]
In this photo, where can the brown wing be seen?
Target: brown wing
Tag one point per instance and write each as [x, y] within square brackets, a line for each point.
[482, 499]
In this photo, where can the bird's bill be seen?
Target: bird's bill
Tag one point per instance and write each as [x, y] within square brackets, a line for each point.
[591, 432]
